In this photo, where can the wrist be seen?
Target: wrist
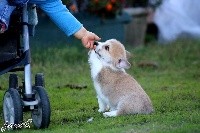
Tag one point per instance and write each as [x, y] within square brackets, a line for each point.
[81, 33]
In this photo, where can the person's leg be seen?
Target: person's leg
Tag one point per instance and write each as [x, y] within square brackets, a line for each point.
[5, 12]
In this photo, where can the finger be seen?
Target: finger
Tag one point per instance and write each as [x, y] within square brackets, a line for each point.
[84, 42]
[94, 37]
[87, 45]
[97, 38]
[90, 45]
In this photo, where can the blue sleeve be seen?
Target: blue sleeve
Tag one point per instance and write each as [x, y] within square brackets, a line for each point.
[61, 16]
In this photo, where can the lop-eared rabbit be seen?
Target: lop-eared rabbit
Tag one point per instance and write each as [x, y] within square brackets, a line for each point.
[118, 93]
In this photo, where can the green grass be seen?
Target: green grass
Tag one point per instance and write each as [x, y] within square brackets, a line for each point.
[174, 88]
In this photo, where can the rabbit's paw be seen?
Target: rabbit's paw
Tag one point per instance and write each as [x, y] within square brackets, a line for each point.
[101, 110]
[110, 114]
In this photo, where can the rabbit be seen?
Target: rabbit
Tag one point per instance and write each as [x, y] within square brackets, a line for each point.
[118, 93]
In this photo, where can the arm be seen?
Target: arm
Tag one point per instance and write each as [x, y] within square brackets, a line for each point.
[61, 16]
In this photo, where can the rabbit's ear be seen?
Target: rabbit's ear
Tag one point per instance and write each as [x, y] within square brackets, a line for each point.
[123, 64]
[128, 54]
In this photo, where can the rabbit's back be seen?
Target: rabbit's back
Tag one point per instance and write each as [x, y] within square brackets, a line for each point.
[124, 92]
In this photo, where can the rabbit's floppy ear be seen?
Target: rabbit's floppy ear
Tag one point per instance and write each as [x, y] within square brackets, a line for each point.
[122, 63]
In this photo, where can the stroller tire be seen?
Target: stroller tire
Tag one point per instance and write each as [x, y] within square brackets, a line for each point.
[41, 113]
[12, 108]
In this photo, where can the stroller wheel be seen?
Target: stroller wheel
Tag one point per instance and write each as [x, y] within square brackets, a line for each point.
[12, 107]
[39, 80]
[41, 113]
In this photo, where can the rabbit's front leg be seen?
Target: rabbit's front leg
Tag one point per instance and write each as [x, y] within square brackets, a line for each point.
[102, 105]
[102, 101]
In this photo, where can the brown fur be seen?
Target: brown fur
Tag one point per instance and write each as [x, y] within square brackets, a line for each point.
[117, 89]
[112, 84]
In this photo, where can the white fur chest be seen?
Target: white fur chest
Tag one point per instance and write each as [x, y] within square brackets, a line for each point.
[95, 64]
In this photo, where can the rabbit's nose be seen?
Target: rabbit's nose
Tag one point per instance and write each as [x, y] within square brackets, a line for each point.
[96, 43]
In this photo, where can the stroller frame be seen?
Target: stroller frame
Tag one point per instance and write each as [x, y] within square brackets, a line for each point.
[28, 97]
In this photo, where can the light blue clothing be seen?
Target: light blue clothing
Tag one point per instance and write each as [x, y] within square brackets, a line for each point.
[5, 12]
[17, 2]
[59, 14]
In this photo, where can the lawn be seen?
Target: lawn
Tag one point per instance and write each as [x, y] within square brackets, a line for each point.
[170, 74]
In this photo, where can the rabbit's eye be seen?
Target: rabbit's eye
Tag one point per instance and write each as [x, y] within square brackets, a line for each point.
[107, 48]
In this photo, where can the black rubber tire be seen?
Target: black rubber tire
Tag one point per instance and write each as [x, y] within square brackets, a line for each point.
[12, 107]
[41, 114]
[13, 81]
[39, 79]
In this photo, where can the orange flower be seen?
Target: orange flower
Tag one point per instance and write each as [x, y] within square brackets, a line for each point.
[73, 7]
[96, 1]
[113, 1]
[109, 7]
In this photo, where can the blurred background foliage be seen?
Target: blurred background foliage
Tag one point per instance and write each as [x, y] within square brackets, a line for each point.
[106, 8]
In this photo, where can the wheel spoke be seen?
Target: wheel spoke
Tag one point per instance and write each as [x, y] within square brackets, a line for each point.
[12, 113]
[36, 112]
[12, 107]
[41, 115]
[12, 117]
[9, 111]
[8, 103]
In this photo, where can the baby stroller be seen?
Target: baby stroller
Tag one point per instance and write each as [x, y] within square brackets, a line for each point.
[15, 57]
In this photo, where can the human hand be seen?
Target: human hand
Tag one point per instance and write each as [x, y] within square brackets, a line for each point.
[88, 40]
